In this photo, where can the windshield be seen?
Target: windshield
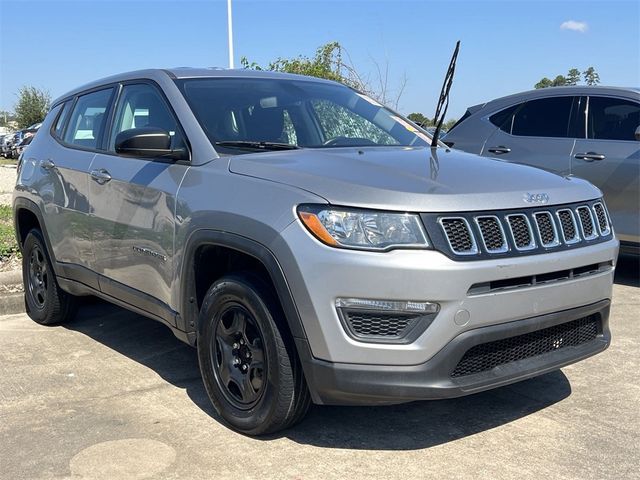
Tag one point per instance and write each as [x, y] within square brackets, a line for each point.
[256, 113]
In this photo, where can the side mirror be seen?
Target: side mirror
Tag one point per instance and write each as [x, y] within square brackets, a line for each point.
[637, 134]
[148, 142]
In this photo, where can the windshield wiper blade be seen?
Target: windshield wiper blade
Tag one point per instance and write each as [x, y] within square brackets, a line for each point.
[257, 145]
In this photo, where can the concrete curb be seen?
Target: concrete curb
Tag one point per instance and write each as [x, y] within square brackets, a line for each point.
[12, 277]
[12, 303]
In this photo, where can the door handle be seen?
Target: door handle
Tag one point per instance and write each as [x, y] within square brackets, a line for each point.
[499, 150]
[100, 176]
[590, 156]
[48, 164]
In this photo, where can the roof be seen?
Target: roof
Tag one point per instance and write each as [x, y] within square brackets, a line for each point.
[187, 72]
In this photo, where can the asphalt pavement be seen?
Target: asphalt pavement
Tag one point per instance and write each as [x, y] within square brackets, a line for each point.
[113, 395]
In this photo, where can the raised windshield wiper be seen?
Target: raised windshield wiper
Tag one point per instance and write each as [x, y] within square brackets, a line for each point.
[257, 145]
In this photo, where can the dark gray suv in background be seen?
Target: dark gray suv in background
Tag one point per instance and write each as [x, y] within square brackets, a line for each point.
[308, 241]
[589, 132]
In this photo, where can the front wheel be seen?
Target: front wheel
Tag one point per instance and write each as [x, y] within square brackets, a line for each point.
[250, 369]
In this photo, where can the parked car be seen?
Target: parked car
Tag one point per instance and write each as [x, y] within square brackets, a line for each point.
[308, 241]
[15, 140]
[3, 141]
[19, 137]
[24, 143]
[588, 132]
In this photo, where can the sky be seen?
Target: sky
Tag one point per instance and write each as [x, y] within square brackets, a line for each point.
[506, 46]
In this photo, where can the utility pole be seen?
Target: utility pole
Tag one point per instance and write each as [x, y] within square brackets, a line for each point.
[230, 30]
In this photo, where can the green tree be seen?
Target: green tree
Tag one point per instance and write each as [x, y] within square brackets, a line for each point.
[544, 83]
[326, 63]
[591, 77]
[573, 76]
[559, 81]
[331, 62]
[419, 119]
[32, 106]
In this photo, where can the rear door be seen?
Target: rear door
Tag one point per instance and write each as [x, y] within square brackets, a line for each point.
[535, 133]
[65, 192]
[133, 201]
[609, 157]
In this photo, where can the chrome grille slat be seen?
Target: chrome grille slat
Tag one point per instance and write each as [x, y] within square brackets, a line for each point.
[492, 234]
[601, 216]
[546, 227]
[459, 235]
[568, 226]
[587, 223]
[521, 232]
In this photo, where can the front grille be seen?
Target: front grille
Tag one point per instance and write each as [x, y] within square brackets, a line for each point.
[492, 234]
[479, 235]
[376, 324]
[586, 221]
[459, 235]
[546, 228]
[486, 356]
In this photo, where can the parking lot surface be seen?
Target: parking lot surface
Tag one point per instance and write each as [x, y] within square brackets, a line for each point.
[114, 395]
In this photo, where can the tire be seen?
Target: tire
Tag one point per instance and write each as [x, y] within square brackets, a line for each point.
[45, 302]
[249, 365]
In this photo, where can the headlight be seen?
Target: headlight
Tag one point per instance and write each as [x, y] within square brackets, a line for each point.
[363, 229]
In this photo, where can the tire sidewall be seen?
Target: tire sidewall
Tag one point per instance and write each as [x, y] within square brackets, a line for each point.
[229, 291]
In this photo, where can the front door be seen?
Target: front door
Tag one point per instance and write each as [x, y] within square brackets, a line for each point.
[133, 201]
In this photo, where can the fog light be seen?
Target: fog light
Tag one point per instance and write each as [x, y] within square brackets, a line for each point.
[385, 321]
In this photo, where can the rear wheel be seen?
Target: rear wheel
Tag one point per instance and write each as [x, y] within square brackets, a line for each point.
[249, 366]
[46, 303]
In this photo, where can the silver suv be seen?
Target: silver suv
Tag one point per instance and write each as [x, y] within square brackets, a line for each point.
[308, 241]
[589, 132]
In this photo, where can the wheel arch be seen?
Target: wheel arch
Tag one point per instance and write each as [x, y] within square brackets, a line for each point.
[188, 301]
[26, 216]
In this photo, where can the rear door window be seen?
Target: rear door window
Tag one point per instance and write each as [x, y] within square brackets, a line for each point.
[545, 117]
[612, 118]
[88, 119]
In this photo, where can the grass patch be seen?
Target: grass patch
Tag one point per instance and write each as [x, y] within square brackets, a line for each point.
[8, 243]
[8, 161]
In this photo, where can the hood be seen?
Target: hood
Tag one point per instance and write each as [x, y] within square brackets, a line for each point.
[411, 179]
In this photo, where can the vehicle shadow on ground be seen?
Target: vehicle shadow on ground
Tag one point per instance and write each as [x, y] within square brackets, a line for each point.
[628, 270]
[401, 427]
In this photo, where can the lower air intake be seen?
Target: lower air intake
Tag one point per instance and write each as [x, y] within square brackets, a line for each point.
[486, 356]
[376, 324]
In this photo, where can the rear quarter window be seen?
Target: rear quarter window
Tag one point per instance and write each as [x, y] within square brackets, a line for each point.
[61, 121]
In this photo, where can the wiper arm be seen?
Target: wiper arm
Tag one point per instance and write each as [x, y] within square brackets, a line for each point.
[256, 145]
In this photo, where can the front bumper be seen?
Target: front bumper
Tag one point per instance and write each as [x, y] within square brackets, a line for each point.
[318, 275]
[344, 384]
